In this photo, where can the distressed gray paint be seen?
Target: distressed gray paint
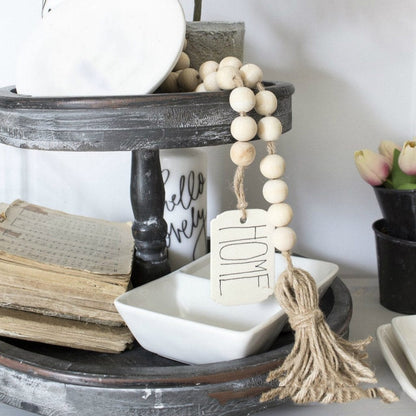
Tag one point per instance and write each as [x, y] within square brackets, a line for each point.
[157, 121]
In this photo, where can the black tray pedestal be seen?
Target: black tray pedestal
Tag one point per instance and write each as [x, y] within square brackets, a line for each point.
[149, 227]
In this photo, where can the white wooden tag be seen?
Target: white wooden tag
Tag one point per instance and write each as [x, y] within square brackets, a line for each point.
[242, 258]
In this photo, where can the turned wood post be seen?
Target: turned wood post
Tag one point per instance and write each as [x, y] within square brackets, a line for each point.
[147, 194]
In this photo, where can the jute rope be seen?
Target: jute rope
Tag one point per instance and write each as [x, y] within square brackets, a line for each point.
[322, 366]
[238, 184]
[239, 192]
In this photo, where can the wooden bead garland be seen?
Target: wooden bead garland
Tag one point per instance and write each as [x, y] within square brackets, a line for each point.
[183, 62]
[188, 79]
[275, 191]
[210, 82]
[243, 100]
[272, 166]
[244, 128]
[231, 61]
[227, 76]
[321, 366]
[242, 153]
[270, 129]
[231, 74]
[280, 214]
[266, 103]
[207, 68]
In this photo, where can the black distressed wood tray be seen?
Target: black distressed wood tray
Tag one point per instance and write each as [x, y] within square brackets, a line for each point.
[61, 381]
[125, 123]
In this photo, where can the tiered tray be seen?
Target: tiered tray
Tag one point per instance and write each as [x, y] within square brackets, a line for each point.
[53, 380]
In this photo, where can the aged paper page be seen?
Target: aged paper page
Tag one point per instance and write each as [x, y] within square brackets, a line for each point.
[41, 235]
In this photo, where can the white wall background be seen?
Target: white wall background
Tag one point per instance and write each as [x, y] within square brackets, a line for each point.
[353, 65]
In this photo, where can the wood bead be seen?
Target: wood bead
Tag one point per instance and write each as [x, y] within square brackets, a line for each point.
[251, 74]
[201, 88]
[284, 238]
[231, 61]
[270, 128]
[207, 68]
[275, 191]
[243, 128]
[183, 62]
[280, 215]
[266, 103]
[272, 166]
[210, 82]
[242, 153]
[227, 77]
[188, 80]
[170, 84]
[242, 100]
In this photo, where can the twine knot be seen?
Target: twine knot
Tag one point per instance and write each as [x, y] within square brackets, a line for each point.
[306, 319]
[242, 205]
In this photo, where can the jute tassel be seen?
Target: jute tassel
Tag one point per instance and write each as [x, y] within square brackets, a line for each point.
[322, 367]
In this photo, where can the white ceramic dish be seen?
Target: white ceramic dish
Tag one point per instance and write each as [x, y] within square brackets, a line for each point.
[404, 328]
[101, 47]
[175, 317]
[397, 360]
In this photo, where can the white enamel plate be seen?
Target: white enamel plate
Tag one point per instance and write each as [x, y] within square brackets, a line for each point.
[396, 359]
[404, 329]
[102, 47]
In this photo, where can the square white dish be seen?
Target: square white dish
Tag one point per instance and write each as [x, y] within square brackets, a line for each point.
[396, 360]
[404, 328]
[175, 317]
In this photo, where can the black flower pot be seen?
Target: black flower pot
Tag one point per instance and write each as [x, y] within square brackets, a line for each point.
[399, 210]
[396, 260]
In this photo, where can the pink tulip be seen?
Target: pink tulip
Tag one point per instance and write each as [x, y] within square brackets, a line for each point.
[407, 158]
[387, 148]
[373, 167]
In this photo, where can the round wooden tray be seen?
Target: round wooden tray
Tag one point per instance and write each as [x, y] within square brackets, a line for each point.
[53, 380]
[155, 121]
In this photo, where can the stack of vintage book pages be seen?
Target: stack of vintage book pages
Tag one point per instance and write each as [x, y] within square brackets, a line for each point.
[59, 277]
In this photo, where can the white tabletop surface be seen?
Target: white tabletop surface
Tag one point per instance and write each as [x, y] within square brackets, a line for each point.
[367, 316]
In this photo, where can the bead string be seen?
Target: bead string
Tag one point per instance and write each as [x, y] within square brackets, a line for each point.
[231, 74]
[321, 367]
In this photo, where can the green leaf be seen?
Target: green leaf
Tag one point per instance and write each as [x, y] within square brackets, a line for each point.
[407, 186]
[397, 176]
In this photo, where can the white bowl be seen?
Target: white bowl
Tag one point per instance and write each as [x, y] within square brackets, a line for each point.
[175, 317]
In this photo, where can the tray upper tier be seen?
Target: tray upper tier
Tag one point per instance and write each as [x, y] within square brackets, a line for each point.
[156, 121]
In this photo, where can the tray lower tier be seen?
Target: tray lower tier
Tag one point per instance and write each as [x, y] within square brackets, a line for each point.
[51, 380]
